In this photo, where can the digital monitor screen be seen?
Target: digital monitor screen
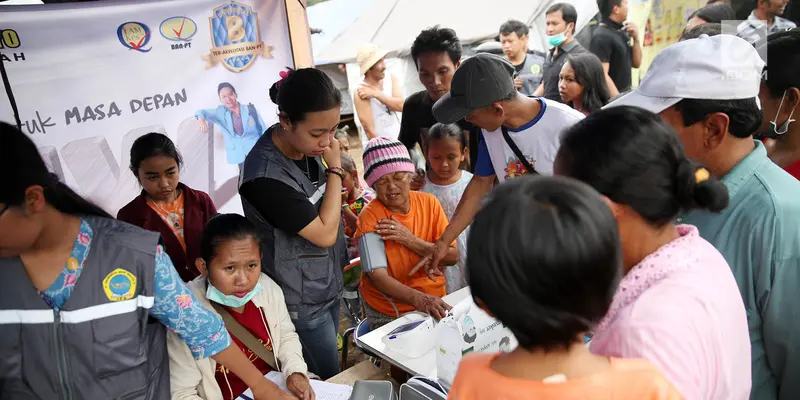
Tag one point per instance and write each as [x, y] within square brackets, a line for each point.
[407, 327]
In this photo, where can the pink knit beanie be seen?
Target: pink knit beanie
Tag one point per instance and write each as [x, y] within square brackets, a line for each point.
[385, 156]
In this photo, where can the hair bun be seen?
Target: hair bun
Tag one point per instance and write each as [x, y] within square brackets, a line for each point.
[274, 90]
[697, 189]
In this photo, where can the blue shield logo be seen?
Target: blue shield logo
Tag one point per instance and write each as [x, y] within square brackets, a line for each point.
[235, 37]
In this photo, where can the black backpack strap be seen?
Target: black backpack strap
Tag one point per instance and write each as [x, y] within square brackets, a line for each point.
[517, 152]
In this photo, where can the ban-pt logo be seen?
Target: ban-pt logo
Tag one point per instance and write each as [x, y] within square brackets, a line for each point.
[235, 37]
[179, 29]
[134, 36]
[119, 285]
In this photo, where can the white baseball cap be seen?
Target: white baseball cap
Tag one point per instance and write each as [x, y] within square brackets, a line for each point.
[720, 67]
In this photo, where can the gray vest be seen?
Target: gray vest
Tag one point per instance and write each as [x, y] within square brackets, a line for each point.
[95, 347]
[531, 73]
[310, 276]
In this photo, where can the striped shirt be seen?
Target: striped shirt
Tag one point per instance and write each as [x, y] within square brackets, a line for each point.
[752, 29]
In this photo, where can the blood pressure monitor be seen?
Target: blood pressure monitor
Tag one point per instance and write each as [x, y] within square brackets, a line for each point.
[413, 339]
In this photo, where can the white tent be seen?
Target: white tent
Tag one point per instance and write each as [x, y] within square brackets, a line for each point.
[393, 24]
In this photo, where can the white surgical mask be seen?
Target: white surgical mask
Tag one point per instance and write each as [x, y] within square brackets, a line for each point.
[774, 130]
[231, 301]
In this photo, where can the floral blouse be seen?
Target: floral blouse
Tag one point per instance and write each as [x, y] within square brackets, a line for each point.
[174, 305]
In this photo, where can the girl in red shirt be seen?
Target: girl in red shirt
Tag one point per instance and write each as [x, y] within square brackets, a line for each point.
[166, 205]
[232, 283]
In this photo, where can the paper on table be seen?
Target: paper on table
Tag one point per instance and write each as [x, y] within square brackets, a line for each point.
[322, 390]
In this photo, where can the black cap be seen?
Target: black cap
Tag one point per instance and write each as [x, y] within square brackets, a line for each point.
[480, 81]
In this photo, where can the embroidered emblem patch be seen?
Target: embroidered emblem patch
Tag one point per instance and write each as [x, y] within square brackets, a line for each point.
[119, 285]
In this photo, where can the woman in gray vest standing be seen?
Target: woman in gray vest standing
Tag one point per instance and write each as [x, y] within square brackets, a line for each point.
[86, 298]
[295, 199]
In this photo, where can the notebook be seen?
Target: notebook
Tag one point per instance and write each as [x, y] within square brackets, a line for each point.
[322, 390]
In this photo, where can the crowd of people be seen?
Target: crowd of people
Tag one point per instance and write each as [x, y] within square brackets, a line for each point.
[660, 221]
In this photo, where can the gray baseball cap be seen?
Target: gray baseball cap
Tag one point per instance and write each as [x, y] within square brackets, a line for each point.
[480, 81]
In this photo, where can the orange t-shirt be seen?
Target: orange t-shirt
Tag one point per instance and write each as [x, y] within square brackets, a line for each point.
[628, 379]
[427, 221]
[172, 214]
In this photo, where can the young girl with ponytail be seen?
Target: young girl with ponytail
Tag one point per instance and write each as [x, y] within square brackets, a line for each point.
[678, 304]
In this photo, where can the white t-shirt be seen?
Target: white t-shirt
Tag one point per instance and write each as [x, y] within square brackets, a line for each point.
[538, 140]
[385, 121]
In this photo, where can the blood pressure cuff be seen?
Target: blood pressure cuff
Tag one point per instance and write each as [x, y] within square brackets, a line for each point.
[373, 252]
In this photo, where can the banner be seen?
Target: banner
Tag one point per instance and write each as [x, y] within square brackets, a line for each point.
[90, 78]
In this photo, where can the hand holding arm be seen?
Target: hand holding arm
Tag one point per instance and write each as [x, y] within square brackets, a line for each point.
[467, 208]
[392, 229]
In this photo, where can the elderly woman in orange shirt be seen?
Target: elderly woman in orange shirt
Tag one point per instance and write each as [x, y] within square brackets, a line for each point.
[394, 231]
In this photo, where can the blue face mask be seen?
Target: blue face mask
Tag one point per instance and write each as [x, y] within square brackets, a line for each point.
[228, 300]
[557, 40]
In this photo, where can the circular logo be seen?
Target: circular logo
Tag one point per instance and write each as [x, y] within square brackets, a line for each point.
[119, 285]
[536, 69]
[179, 29]
[134, 35]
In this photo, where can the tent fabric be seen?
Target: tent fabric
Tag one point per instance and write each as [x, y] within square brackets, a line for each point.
[332, 17]
[393, 24]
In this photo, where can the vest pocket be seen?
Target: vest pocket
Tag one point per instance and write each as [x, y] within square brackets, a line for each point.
[317, 278]
[118, 346]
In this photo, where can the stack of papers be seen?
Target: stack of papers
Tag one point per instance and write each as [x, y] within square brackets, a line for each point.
[323, 390]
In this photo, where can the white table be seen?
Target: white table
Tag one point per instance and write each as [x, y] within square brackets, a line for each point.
[425, 365]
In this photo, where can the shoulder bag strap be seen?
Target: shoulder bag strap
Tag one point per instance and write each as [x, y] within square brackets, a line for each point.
[517, 152]
[246, 337]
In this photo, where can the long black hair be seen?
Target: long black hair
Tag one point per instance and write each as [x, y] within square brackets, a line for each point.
[150, 145]
[632, 157]
[517, 266]
[222, 228]
[25, 168]
[303, 91]
[589, 74]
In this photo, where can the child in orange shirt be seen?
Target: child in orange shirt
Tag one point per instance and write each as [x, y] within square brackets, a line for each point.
[544, 259]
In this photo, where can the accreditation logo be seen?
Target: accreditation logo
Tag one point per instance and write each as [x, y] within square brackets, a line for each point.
[134, 36]
[235, 38]
[178, 29]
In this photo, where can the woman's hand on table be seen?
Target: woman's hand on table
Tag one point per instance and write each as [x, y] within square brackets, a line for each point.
[300, 386]
[269, 391]
[392, 229]
[431, 305]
